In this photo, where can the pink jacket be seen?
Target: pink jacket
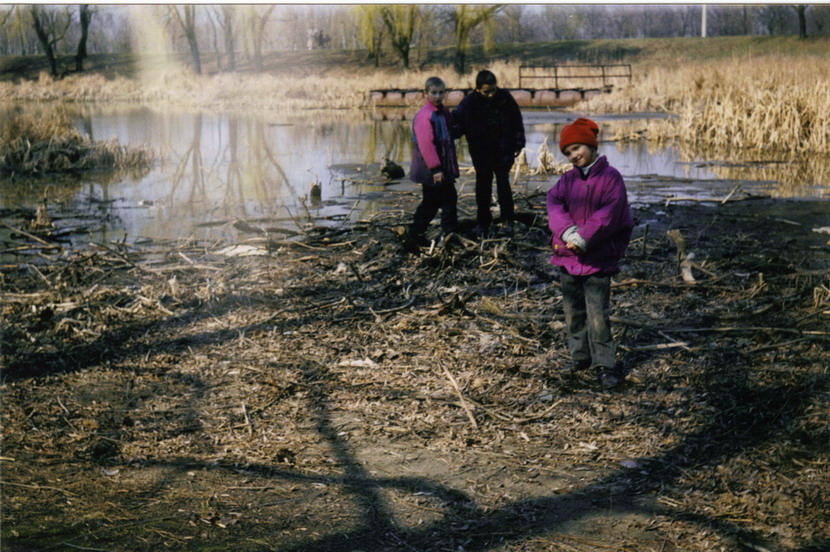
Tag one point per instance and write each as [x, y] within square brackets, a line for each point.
[434, 148]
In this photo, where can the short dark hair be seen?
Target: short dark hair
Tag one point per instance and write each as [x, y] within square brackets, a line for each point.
[485, 77]
[434, 81]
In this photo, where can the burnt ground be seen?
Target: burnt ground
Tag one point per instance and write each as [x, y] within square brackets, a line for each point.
[341, 394]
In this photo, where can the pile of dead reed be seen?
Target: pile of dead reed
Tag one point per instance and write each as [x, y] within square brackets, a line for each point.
[41, 143]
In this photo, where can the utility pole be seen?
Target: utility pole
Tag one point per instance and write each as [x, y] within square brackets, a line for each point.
[703, 22]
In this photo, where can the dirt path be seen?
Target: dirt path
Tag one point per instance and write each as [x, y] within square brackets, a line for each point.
[339, 394]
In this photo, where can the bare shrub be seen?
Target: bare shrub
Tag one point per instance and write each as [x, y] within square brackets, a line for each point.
[46, 142]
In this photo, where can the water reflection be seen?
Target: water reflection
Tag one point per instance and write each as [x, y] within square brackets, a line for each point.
[778, 175]
[214, 169]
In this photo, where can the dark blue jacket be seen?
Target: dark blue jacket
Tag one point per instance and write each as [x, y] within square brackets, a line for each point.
[504, 140]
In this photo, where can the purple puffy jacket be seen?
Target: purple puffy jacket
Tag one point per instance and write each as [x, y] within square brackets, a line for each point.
[598, 207]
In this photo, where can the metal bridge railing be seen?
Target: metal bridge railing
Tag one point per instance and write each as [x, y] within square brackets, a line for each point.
[564, 73]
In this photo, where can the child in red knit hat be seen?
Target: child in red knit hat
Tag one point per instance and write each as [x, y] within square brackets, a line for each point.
[589, 217]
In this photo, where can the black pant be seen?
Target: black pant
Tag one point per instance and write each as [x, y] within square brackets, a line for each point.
[442, 197]
[587, 300]
[486, 168]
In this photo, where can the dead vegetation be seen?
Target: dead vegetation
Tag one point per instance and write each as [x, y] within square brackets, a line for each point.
[769, 104]
[335, 393]
[45, 142]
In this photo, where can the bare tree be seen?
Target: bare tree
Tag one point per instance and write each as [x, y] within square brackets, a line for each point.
[821, 19]
[50, 29]
[577, 23]
[187, 22]
[746, 20]
[342, 28]
[255, 19]
[776, 19]
[84, 18]
[687, 18]
[511, 19]
[801, 10]
[554, 21]
[466, 18]
[228, 24]
[5, 18]
[371, 30]
[628, 23]
[401, 21]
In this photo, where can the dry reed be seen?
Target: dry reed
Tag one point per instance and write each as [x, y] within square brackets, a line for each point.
[770, 104]
[46, 142]
[288, 90]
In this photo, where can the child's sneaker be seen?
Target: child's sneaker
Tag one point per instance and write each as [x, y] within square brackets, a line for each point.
[481, 233]
[422, 241]
[608, 380]
[449, 240]
[611, 377]
[574, 366]
[413, 243]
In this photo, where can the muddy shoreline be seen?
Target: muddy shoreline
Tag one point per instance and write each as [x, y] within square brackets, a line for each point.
[337, 393]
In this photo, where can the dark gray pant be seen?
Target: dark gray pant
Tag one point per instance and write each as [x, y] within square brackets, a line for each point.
[443, 197]
[587, 301]
[486, 169]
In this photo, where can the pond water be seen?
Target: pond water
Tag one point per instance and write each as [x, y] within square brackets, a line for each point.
[213, 169]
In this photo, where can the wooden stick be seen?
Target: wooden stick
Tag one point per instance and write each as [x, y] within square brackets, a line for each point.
[394, 309]
[705, 271]
[747, 329]
[735, 189]
[657, 347]
[32, 236]
[463, 401]
[247, 419]
[704, 199]
[777, 345]
[684, 260]
[38, 487]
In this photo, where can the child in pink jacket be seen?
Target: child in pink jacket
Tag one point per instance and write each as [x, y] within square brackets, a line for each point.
[434, 164]
[589, 217]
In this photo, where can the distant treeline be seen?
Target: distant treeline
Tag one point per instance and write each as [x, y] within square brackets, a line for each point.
[393, 34]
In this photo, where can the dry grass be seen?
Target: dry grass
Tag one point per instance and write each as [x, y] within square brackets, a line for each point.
[46, 142]
[771, 104]
[284, 91]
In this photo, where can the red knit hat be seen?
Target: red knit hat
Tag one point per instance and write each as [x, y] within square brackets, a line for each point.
[581, 131]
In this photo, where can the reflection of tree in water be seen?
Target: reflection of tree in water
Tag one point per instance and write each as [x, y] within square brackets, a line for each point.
[795, 177]
[253, 176]
[389, 139]
[192, 156]
[233, 176]
[787, 173]
[267, 165]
